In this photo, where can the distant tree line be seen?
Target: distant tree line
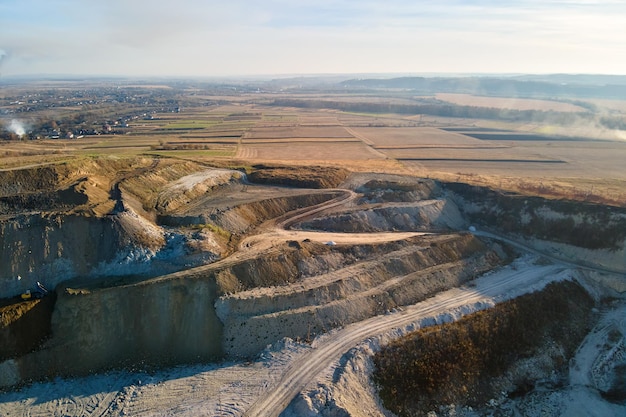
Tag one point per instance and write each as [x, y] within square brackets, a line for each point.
[440, 109]
[615, 123]
[612, 88]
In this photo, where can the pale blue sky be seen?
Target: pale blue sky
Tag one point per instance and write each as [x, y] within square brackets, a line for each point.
[244, 37]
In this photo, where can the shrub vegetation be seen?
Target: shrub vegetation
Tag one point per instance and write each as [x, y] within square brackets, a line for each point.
[457, 362]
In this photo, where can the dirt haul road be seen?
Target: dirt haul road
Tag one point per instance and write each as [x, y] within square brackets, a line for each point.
[306, 368]
[554, 257]
[277, 231]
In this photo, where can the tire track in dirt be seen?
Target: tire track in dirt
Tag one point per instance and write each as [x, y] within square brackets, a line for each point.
[250, 247]
[188, 395]
[91, 397]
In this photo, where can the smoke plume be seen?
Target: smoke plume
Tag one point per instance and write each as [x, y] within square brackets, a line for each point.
[17, 127]
[3, 54]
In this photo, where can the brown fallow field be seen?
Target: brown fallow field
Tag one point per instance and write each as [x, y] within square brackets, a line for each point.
[508, 103]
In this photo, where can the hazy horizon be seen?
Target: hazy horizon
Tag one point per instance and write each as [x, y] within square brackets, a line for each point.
[194, 38]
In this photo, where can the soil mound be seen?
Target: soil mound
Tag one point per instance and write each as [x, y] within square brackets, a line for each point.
[424, 215]
[482, 355]
[398, 190]
[188, 188]
[302, 177]
[34, 180]
[24, 325]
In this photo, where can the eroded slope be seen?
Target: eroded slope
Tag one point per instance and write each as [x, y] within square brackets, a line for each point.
[486, 355]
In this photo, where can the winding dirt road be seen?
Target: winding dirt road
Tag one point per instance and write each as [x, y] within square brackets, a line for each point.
[560, 260]
[306, 368]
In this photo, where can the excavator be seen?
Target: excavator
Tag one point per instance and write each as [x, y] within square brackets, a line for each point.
[39, 292]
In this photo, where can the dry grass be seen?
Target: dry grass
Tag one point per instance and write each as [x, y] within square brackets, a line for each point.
[379, 120]
[587, 173]
[320, 141]
[318, 120]
[190, 124]
[463, 155]
[305, 177]
[596, 190]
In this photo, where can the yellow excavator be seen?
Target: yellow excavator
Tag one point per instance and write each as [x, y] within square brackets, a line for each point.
[39, 292]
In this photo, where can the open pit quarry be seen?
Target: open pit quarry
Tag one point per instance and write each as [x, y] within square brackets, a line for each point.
[156, 262]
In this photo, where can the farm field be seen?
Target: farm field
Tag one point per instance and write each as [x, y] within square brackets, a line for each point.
[385, 137]
[379, 120]
[309, 131]
[259, 134]
[508, 103]
[496, 170]
[589, 159]
[331, 152]
[484, 152]
[475, 151]
[487, 154]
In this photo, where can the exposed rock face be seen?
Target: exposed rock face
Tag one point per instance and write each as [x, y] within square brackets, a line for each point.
[352, 292]
[397, 189]
[167, 322]
[415, 216]
[581, 232]
[242, 218]
[188, 188]
[53, 248]
[173, 319]
[52, 232]
[25, 328]
[44, 200]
